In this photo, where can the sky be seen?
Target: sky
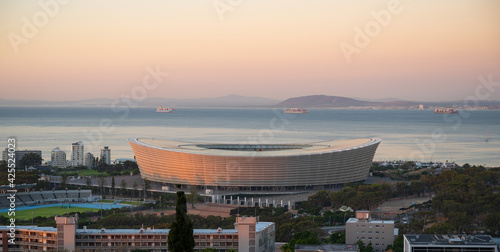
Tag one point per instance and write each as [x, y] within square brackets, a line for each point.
[426, 50]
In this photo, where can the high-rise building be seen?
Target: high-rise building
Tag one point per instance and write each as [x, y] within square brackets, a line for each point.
[379, 232]
[58, 158]
[77, 150]
[106, 155]
[19, 154]
[89, 160]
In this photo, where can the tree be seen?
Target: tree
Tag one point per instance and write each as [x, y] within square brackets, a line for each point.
[180, 237]
[146, 186]
[123, 186]
[88, 181]
[337, 238]
[101, 184]
[30, 159]
[398, 244]
[135, 186]
[287, 247]
[193, 195]
[361, 245]
[64, 180]
[112, 185]
[369, 247]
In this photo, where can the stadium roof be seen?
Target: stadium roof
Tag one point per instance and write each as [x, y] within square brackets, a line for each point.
[253, 150]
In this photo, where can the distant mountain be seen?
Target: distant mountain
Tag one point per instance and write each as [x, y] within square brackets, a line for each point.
[324, 101]
[377, 100]
[225, 101]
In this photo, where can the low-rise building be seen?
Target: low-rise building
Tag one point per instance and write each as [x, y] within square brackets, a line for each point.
[249, 235]
[462, 243]
[379, 232]
[19, 154]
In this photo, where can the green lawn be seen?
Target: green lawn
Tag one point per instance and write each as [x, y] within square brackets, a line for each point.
[48, 211]
[85, 172]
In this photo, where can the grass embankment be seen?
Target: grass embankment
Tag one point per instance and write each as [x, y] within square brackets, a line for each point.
[84, 172]
[47, 212]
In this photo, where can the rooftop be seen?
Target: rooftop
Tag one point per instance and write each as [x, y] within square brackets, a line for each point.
[259, 227]
[260, 150]
[327, 247]
[372, 221]
[450, 240]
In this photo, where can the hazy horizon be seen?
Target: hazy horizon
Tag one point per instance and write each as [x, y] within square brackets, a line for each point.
[410, 50]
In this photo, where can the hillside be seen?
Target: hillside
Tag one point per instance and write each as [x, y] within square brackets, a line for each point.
[324, 101]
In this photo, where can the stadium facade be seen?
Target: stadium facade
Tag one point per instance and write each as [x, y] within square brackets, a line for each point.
[255, 166]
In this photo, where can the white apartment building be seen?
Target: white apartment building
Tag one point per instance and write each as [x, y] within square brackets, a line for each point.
[77, 150]
[58, 158]
[379, 232]
[106, 155]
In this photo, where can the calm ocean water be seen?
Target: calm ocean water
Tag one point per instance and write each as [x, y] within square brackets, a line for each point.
[406, 134]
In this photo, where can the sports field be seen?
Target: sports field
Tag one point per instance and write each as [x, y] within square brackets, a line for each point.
[47, 212]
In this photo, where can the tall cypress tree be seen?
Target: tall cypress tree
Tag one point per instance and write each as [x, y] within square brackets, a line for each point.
[180, 237]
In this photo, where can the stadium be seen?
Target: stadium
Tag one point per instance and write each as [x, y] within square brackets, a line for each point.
[255, 167]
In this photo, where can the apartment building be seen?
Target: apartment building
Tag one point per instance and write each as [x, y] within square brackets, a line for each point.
[380, 233]
[249, 235]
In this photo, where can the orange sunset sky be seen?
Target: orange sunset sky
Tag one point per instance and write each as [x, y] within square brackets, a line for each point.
[82, 49]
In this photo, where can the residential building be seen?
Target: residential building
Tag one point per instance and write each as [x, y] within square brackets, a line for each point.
[106, 155]
[77, 150]
[58, 158]
[89, 160]
[249, 235]
[19, 154]
[462, 243]
[379, 232]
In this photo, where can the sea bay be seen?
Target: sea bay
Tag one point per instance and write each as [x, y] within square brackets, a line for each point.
[406, 134]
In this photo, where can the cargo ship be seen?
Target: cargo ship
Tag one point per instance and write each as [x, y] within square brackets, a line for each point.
[161, 109]
[296, 111]
[445, 111]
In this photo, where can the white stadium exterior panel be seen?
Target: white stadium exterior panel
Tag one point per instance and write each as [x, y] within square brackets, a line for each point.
[255, 165]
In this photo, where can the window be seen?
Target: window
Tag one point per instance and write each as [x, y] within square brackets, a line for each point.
[369, 232]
